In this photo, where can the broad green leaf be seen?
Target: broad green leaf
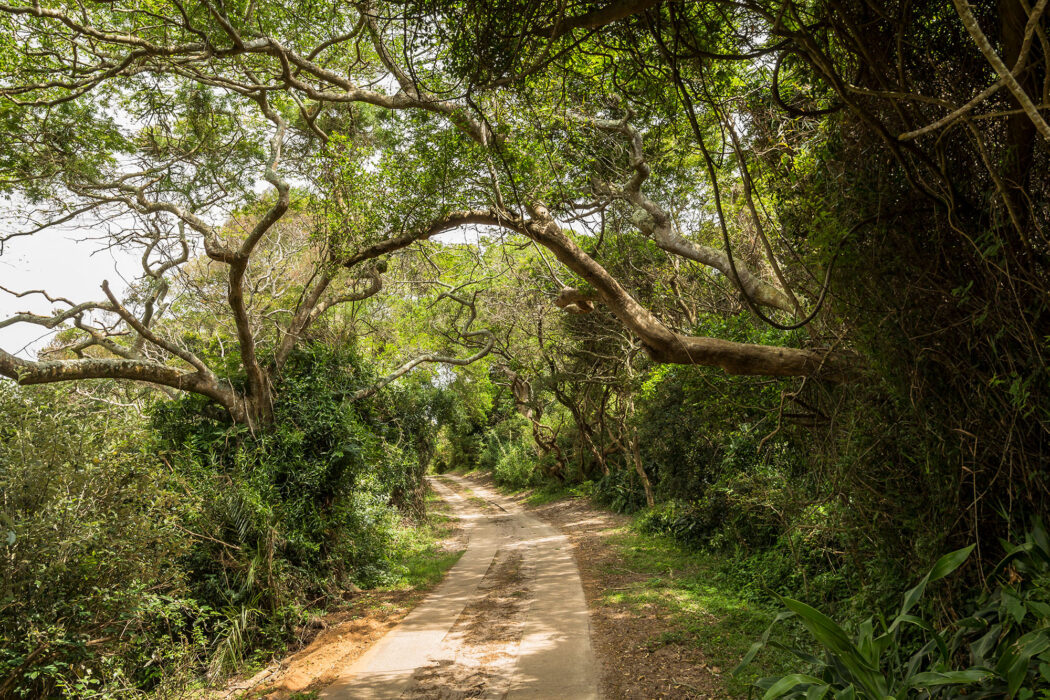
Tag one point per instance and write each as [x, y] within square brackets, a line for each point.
[944, 566]
[1014, 606]
[817, 692]
[788, 683]
[865, 643]
[1014, 662]
[932, 680]
[831, 636]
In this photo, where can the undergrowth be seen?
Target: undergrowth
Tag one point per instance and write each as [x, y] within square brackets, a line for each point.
[706, 608]
[146, 558]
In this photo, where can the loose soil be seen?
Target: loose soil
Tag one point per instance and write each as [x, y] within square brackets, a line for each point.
[635, 657]
[635, 660]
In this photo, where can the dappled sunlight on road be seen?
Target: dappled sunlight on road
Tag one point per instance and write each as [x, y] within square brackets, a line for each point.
[433, 653]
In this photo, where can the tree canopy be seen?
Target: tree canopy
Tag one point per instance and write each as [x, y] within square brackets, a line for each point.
[861, 179]
[781, 263]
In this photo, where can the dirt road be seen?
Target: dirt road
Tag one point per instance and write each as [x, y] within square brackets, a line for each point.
[510, 620]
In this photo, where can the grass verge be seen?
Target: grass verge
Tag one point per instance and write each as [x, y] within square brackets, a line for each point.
[423, 553]
[703, 608]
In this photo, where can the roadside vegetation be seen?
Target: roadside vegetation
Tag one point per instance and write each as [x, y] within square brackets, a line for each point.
[156, 554]
[773, 277]
[707, 606]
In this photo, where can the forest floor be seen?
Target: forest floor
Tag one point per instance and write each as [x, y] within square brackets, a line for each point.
[660, 624]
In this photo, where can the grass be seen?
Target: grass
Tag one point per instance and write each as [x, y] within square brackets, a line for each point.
[542, 495]
[428, 568]
[704, 608]
[421, 554]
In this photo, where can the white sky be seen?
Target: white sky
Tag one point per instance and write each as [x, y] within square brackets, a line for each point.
[53, 260]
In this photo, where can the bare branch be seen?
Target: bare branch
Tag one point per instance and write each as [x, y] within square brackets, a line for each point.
[1030, 29]
[465, 332]
[445, 223]
[313, 307]
[1006, 75]
[654, 221]
[149, 335]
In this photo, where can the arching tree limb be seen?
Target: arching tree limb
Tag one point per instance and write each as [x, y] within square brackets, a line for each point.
[490, 341]
[652, 220]
[27, 373]
[661, 343]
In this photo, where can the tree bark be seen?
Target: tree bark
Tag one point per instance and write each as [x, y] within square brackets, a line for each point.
[661, 343]
[27, 373]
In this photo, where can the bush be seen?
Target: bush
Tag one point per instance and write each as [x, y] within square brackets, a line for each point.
[89, 597]
[515, 466]
[1002, 649]
[301, 509]
[138, 556]
[508, 453]
[619, 490]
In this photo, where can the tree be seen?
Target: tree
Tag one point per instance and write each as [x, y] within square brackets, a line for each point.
[165, 122]
[177, 155]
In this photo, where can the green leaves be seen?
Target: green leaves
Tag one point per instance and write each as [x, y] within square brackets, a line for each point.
[789, 683]
[857, 666]
[1007, 640]
[944, 566]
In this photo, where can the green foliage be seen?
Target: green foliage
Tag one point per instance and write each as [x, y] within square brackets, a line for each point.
[703, 606]
[934, 251]
[700, 425]
[307, 502]
[89, 596]
[126, 573]
[619, 490]
[731, 481]
[1002, 649]
[509, 454]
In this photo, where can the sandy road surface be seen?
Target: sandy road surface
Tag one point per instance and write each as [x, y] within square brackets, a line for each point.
[509, 621]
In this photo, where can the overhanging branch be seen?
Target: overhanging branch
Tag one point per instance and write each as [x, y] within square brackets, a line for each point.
[490, 341]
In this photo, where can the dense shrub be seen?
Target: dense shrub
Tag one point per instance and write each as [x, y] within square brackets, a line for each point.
[90, 595]
[508, 452]
[619, 490]
[138, 555]
[732, 477]
[1001, 649]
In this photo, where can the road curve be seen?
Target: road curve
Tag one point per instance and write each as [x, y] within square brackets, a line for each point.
[545, 652]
